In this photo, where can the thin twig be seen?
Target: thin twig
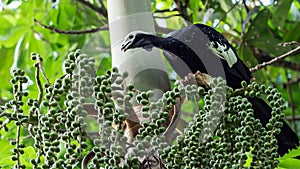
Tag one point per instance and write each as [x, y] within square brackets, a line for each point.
[93, 7]
[284, 44]
[245, 5]
[71, 32]
[291, 101]
[102, 8]
[264, 57]
[291, 82]
[37, 77]
[39, 61]
[165, 10]
[261, 4]
[166, 17]
[292, 118]
[182, 10]
[88, 157]
[264, 64]
[224, 16]
[4, 123]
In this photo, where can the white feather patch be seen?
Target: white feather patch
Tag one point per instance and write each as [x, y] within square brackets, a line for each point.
[224, 53]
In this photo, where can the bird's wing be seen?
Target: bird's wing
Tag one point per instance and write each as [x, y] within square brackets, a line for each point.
[219, 45]
[223, 49]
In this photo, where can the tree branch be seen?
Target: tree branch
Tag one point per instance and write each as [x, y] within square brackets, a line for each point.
[276, 59]
[165, 10]
[70, 32]
[182, 10]
[291, 82]
[284, 44]
[291, 118]
[166, 17]
[224, 16]
[102, 11]
[246, 6]
[265, 57]
[291, 100]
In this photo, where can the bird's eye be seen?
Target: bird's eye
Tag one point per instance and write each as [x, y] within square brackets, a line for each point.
[130, 36]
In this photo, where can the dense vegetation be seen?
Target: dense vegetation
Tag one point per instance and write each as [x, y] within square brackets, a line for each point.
[46, 82]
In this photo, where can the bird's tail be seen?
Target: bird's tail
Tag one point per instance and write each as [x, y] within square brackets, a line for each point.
[287, 138]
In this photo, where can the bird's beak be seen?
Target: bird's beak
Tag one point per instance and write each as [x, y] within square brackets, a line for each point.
[124, 47]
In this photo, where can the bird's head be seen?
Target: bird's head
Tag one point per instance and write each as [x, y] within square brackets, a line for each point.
[137, 39]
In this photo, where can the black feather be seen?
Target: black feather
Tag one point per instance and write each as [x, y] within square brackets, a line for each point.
[201, 48]
[239, 72]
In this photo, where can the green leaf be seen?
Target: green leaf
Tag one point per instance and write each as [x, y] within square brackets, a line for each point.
[194, 5]
[293, 34]
[292, 153]
[9, 1]
[6, 62]
[261, 76]
[281, 13]
[245, 53]
[5, 149]
[249, 16]
[29, 152]
[269, 45]
[289, 163]
[153, 5]
[65, 16]
[228, 8]
[10, 32]
[6, 163]
[259, 24]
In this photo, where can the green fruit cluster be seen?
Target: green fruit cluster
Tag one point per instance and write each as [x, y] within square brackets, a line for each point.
[222, 133]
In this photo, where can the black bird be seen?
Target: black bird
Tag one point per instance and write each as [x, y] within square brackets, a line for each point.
[201, 48]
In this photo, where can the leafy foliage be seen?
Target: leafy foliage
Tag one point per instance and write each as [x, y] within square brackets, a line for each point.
[254, 28]
[58, 120]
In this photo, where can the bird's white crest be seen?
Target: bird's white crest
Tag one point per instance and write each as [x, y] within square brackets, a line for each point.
[130, 36]
[225, 53]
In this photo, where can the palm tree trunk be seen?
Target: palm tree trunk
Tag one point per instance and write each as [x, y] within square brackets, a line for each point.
[146, 69]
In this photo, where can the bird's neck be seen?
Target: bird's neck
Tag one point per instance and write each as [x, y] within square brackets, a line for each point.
[170, 44]
[181, 50]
